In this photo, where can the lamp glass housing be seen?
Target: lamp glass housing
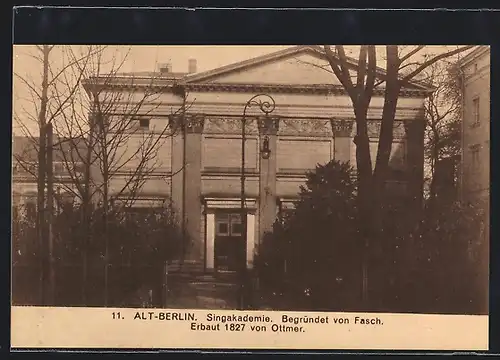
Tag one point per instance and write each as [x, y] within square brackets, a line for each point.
[265, 151]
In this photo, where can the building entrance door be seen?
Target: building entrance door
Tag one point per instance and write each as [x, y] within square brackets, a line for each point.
[230, 246]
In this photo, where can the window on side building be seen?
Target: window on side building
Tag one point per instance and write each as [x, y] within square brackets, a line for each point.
[475, 157]
[475, 112]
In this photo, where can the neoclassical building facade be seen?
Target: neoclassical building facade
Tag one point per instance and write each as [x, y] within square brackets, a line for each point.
[312, 123]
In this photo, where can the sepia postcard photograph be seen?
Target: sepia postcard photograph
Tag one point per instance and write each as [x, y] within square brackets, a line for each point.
[246, 197]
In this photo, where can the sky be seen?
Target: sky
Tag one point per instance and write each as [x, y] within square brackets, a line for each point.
[139, 58]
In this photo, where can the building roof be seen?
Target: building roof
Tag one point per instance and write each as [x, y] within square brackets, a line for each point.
[205, 77]
[477, 52]
[277, 55]
[152, 74]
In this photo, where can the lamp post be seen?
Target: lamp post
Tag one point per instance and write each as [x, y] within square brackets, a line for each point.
[266, 105]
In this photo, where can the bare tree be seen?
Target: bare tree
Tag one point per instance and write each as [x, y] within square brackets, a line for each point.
[107, 141]
[402, 65]
[118, 147]
[41, 98]
[443, 123]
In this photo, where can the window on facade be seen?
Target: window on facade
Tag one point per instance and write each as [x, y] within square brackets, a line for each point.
[144, 123]
[79, 167]
[236, 229]
[25, 169]
[229, 225]
[475, 159]
[30, 207]
[475, 111]
[236, 226]
[222, 228]
[59, 168]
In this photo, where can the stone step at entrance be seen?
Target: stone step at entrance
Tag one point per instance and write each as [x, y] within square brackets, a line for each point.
[185, 267]
[206, 291]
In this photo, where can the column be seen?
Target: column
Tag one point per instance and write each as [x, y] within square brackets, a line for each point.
[210, 240]
[342, 132]
[268, 128]
[192, 187]
[251, 243]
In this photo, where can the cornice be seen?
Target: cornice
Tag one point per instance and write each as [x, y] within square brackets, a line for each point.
[474, 55]
[325, 89]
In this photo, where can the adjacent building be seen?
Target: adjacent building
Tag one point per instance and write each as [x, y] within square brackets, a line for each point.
[475, 173]
[475, 71]
[200, 157]
[25, 168]
[475, 165]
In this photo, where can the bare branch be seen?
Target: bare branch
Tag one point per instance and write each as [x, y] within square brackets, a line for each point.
[338, 69]
[31, 86]
[360, 81]
[435, 59]
[411, 53]
[325, 67]
[371, 74]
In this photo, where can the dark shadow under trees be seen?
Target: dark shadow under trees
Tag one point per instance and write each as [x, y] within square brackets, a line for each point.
[431, 262]
[140, 243]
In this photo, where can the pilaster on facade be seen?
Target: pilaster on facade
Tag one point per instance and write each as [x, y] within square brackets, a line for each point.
[268, 129]
[194, 123]
[342, 127]
[175, 122]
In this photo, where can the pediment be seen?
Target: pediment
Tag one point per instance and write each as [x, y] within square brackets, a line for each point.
[299, 65]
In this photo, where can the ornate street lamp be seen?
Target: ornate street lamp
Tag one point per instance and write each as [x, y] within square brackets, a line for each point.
[266, 105]
[265, 151]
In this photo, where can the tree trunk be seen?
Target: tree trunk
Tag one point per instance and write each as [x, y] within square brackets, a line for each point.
[371, 189]
[105, 201]
[86, 209]
[50, 214]
[41, 221]
[434, 161]
[381, 171]
[40, 218]
[391, 96]
[364, 168]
